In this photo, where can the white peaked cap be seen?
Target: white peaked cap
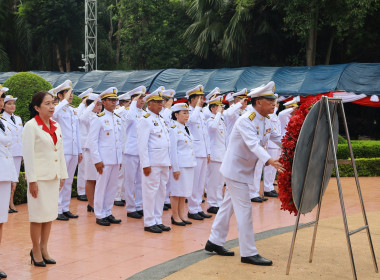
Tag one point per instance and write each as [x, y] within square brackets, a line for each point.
[266, 91]
[66, 85]
[198, 90]
[169, 93]
[138, 90]
[215, 91]
[110, 93]
[9, 98]
[93, 96]
[180, 107]
[291, 103]
[240, 93]
[85, 93]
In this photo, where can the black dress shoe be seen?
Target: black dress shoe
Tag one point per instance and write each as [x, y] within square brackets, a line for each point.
[163, 227]
[3, 275]
[257, 199]
[32, 261]
[90, 209]
[49, 261]
[181, 223]
[168, 205]
[213, 210]
[165, 208]
[70, 215]
[187, 222]
[257, 260]
[82, 197]
[205, 195]
[118, 203]
[263, 198]
[141, 212]
[62, 217]
[103, 222]
[272, 193]
[11, 210]
[134, 215]
[123, 200]
[204, 215]
[195, 216]
[113, 220]
[220, 250]
[154, 229]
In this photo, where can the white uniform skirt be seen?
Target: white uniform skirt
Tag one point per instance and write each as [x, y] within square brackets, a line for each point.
[182, 187]
[90, 172]
[44, 208]
[17, 161]
[5, 195]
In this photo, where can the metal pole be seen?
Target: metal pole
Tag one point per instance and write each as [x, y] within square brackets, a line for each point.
[358, 188]
[302, 194]
[325, 100]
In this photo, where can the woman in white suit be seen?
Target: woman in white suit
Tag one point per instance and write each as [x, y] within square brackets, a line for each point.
[15, 125]
[183, 162]
[7, 170]
[45, 170]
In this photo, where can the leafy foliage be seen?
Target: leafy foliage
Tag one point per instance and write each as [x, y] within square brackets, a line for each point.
[361, 149]
[23, 85]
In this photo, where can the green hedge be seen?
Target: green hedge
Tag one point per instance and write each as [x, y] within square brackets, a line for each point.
[366, 167]
[23, 85]
[20, 193]
[360, 148]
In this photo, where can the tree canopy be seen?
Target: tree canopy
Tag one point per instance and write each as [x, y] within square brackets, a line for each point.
[156, 34]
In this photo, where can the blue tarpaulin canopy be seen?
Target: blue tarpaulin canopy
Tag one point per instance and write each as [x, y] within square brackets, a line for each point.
[290, 81]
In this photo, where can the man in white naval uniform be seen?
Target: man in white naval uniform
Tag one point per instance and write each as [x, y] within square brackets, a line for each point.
[216, 129]
[68, 119]
[247, 139]
[154, 150]
[214, 93]
[284, 116]
[197, 126]
[131, 159]
[105, 151]
[124, 101]
[236, 110]
[81, 182]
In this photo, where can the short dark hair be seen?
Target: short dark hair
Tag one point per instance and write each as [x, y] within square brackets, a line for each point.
[212, 106]
[2, 95]
[88, 102]
[62, 92]
[37, 101]
[173, 116]
[191, 97]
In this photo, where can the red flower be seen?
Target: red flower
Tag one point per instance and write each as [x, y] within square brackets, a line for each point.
[289, 142]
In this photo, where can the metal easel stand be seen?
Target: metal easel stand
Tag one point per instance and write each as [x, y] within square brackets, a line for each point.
[338, 104]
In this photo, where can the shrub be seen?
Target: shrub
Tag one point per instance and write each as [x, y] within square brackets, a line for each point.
[23, 85]
[361, 149]
[76, 101]
[366, 167]
[341, 140]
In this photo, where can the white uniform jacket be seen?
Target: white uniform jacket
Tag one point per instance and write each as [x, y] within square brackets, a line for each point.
[68, 119]
[284, 118]
[42, 159]
[153, 141]
[182, 148]
[167, 116]
[16, 129]
[85, 120]
[217, 133]
[231, 115]
[246, 145]
[131, 118]
[197, 126]
[7, 170]
[276, 126]
[104, 139]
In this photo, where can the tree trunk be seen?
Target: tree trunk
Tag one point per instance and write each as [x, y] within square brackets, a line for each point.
[117, 58]
[311, 44]
[59, 60]
[110, 33]
[67, 57]
[329, 48]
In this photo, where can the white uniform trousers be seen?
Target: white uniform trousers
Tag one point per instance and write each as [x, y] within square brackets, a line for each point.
[254, 189]
[81, 182]
[195, 199]
[17, 161]
[167, 196]
[120, 186]
[65, 193]
[105, 190]
[215, 183]
[132, 183]
[236, 200]
[5, 195]
[153, 193]
[270, 171]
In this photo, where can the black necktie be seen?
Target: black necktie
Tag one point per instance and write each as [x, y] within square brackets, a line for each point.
[187, 130]
[13, 119]
[2, 126]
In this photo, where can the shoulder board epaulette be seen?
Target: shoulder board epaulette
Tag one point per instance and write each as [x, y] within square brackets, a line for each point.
[71, 105]
[213, 117]
[100, 114]
[1, 117]
[268, 117]
[146, 115]
[252, 116]
[173, 126]
[127, 108]
[56, 103]
[117, 115]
